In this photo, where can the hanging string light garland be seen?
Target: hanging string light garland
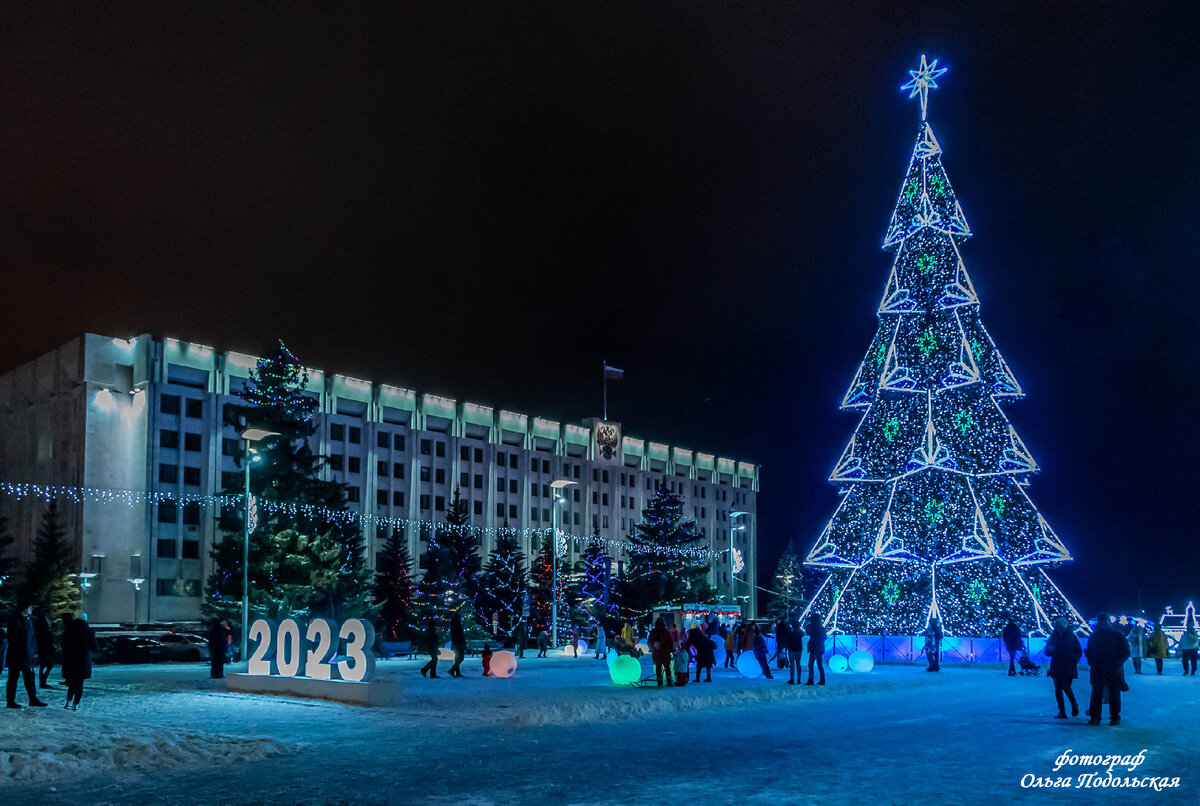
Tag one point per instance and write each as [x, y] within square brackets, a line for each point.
[78, 495]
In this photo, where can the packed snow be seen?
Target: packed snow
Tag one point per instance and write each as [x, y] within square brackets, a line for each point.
[558, 732]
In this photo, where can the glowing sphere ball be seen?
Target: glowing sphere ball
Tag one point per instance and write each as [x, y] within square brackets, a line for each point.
[446, 653]
[583, 647]
[504, 663]
[625, 670]
[838, 664]
[719, 654]
[610, 657]
[770, 639]
[861, 661]
[748, 665]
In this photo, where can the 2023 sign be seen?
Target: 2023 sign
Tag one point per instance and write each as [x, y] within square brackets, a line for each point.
[280, 649]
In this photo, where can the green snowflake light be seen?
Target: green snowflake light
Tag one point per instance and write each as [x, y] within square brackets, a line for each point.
[925, 263]
[977, 349]
[910, 190]
[976, 591]
[934, 509]
[891, 592]
[927, 343]
[880, 355]
[891, 428]
[996, 505]
[1037, 592]
[964, 421]
[938, 184]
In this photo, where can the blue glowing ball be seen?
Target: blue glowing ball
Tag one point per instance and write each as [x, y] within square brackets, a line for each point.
[860, 661]
[838, 664]
[748, 666]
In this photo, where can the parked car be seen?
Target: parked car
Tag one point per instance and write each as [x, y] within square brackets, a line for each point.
[132, 649]
[182, 646]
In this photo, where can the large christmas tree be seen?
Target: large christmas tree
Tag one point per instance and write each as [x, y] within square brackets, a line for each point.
[49, 581]
[934, 519]
[505, 581]
[394, 589]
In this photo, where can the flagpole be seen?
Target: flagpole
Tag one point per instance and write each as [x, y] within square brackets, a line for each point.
[604, 372]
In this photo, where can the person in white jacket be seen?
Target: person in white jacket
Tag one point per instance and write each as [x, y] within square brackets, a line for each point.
[1189, 647]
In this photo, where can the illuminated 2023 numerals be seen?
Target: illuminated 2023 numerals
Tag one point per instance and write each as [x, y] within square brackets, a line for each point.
[287, 650]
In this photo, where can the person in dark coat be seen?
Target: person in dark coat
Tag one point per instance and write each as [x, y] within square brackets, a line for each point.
[521, 633]
[458, 644]
[78, 644]
[759, 647]
[543, 642]
[22, 654]
[705, 649]
[429, 642]
[816, 649]
[933, 645]
[1106, 651]
[45, 649]
[662, 650]
[792, 639]
[1064, 652]
[218, 645]
[1011, 635]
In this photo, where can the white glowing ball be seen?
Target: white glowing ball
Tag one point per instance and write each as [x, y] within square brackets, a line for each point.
[719, 653]
[446, 653]
[770, 645]
[583, 647]
[645, 649]
[860, 661]
[838, 664]
[748, 665]
[625, 670]
[504, 663]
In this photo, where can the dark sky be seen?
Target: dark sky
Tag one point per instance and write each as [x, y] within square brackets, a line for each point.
[489, 200]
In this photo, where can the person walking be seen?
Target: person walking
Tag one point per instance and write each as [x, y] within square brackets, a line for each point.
[1158, 647]
[520, 634]
[704, 648]
[543, 643]
[429, 642]
[218, 646]
[1106, 652]
[601, 641]
[22, 654]
[662, 651]
[1064, 652]
[683, 659]
[487, 659]
[1137, 647]
[458, 644]
[78, 644]
[1011, 636]
[792, 637]
[45, 649]
[1189, 647]
[816, 649]
[730, 637]
[933, 645]
[758, 645]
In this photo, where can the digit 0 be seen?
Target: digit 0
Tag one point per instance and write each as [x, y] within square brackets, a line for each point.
[287, 656]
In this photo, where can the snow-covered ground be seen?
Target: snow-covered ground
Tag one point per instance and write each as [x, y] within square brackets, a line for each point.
[558, 733]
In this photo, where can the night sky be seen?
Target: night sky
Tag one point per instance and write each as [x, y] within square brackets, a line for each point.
[489, 200]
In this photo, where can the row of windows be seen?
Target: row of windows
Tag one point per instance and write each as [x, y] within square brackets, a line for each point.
[191, 442]
[166, 549]
[169, 474]
[168, 512]
[192, 407]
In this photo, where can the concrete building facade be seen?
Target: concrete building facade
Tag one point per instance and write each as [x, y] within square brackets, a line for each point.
[142, 414]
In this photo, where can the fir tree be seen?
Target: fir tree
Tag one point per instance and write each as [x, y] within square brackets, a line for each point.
[664, 566]
[541, 592]
[48, 576]
[8, 570]
[504, 582]
[461, 544]
[445, 587]
[394, 589]
[787, 586]
[285, 483]
[595, 599]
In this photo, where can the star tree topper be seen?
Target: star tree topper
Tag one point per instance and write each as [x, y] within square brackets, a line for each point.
[924, 79]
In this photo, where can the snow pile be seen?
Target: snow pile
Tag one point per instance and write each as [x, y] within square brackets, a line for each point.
[41, 745]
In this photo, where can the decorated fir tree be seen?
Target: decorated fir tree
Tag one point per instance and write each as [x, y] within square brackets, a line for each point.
[787, 586]
[287, 495]
[541, 591]
[394, 589]
[596, 602]
[504, 582]
[667, 560]
[461, 543]
[934, 520]
[450, 567]
[48, 578]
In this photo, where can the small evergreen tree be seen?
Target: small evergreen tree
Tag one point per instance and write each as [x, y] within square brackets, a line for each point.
[504, 582]
[541, 592]
[447, 586]
[48, 576]
[787, 586]
[595, 599]
[461, 544]
[394, 589]
[663, 566]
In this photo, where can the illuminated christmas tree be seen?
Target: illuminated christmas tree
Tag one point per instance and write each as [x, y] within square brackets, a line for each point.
[934, 519]
[394, 588]
[505, 581]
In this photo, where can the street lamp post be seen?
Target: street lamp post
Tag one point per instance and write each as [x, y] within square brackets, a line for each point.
[556, 490]
[249, 435]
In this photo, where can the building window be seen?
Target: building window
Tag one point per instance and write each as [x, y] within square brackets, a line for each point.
[512, 511]
[229, 447]
[499, 458]
[335, 463]
[424, 502]
[604, 499]
[169, 404]
[576, 520]
[464, 453]
[191, 550]
[703, 512]
[398, 470]
[595, 497]
[381, 469]
[381, 497]
[191, 513]
[533, 490]
[499, 485]
[168, 438]
[337, 432]
[499, 510]
[439, 503]
[604, 476]
[381, 440]
[605, 521]
[546, 466]
[546, 514]
[575, 496]
[478, 507]
[513, 486]
[354, 464]
[595, 474]
[191, 475]
[533, 514]
[194, 408]
[512, 461]
[439, 475]
[424, 475]
[165, 548]
[352, 495]
[398, 498]
[167, 512]
[439, 448]
[426, 446]
[464, 479]
[191, 442]
[398, 442]
[478, 482]
[177, 587]
[355, 435]
[545, 490]
[479, 455]
[534, 464]
[168, 474]
[576, 471]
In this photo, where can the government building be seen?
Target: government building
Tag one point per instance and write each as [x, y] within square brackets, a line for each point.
[132, 433]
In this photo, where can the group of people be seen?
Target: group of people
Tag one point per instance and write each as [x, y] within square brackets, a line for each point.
[28, 643]
[1156, 647]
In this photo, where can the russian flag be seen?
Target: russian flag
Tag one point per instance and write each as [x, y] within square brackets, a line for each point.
[612, 373]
